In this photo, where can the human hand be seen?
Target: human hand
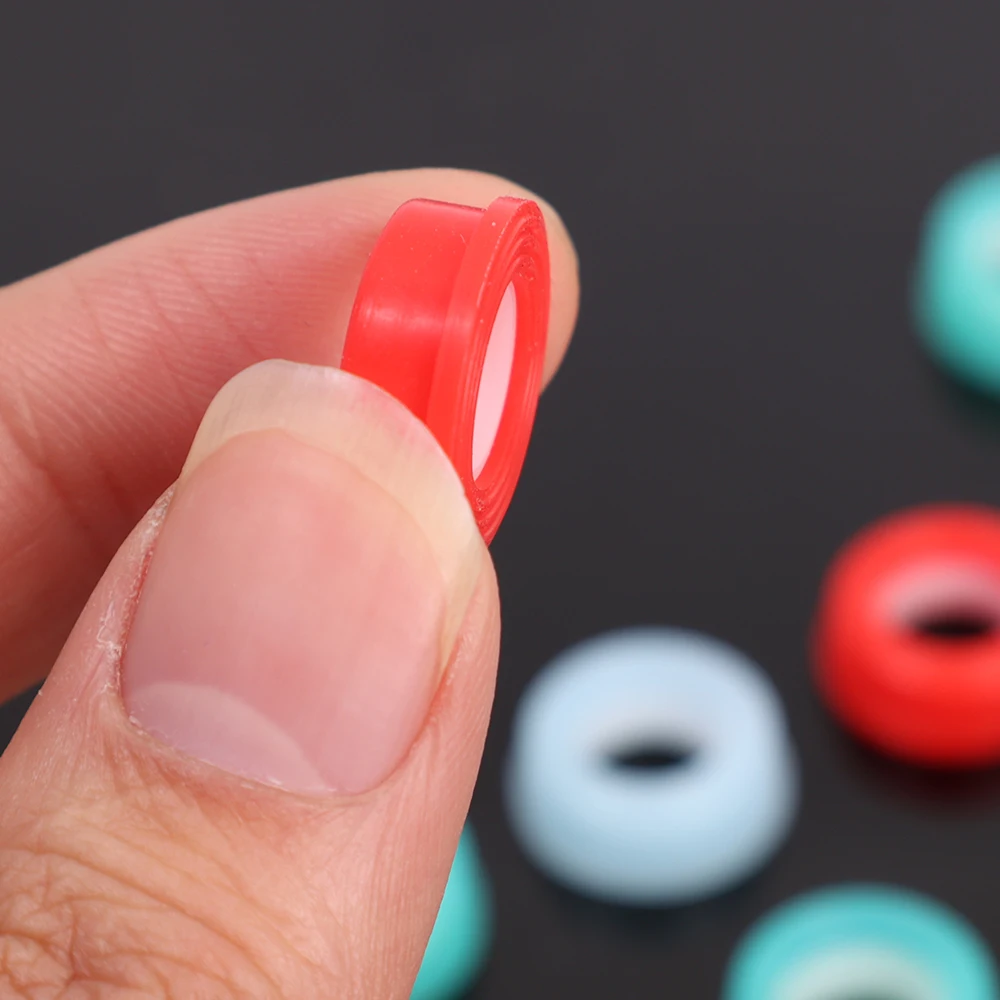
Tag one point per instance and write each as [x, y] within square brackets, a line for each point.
[303, 632]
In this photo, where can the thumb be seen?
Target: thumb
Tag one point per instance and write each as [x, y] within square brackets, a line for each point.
[248, 772]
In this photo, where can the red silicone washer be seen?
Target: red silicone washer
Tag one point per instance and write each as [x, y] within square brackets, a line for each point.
[451, 318]
[907, 636]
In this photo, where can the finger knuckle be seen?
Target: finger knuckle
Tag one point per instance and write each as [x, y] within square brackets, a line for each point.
[85, 912]
[69, 929]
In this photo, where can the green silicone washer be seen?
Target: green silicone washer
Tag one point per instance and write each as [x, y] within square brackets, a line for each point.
[854, 941]
[957, 286]
[460, 940]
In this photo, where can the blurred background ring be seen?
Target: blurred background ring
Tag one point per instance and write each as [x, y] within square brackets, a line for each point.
[854, 941]
[650, 767]
[907, 635]
[957, 289]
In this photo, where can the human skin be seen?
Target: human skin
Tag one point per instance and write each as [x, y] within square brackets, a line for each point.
[252, 757]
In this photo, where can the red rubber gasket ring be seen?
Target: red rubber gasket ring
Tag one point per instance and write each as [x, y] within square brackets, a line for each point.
[925, 698]
[422, 321]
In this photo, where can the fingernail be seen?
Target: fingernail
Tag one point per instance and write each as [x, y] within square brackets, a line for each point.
[307, 586]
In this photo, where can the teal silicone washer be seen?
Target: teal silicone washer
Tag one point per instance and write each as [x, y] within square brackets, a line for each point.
[957, 282]
[460, 940]
[862, 941]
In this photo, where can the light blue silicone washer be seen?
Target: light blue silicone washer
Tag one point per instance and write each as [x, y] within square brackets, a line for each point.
[862, 941]
[460, 941]
[660, 836]
[957, 286]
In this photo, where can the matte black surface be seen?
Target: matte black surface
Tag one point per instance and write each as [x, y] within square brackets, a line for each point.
[745, 183]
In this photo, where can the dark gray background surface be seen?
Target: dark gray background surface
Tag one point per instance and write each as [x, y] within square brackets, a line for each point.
[745, 183]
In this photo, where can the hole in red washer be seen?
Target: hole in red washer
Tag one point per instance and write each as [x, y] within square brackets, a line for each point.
[955, 603]
[956, 624]
[494, 383]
